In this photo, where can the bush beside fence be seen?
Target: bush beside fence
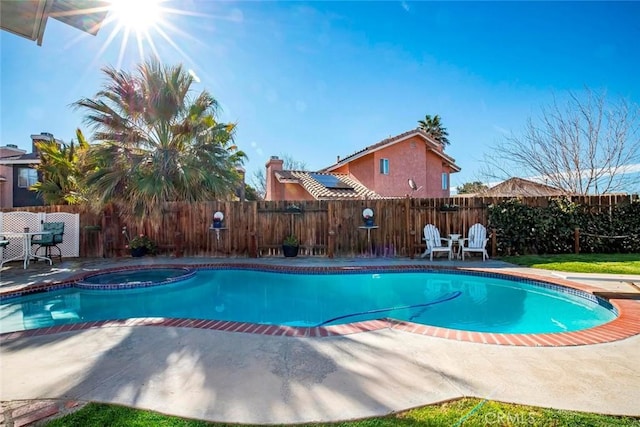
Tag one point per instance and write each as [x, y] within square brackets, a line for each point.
[565, 226]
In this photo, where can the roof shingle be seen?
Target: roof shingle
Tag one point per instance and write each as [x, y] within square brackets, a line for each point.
[320, 192]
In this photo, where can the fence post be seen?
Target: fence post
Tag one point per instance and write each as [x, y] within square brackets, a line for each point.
[178, 242]
[331, 242]
[576, 240]
[494, 243]
[253, 250]
[407, 219]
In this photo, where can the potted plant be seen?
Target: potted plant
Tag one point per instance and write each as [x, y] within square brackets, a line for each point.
[293, 209]
[448, 208]
[290, 246]
[140, 245]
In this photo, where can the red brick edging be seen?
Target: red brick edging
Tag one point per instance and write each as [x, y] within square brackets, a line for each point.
[626, 325]
[20, 413]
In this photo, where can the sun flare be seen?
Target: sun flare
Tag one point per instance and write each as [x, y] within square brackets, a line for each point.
[136, 15]
[146, 26]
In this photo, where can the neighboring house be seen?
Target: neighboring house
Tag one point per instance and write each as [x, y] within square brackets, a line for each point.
[519, 187]
[381, 170]
[28, 18]
[18, 173]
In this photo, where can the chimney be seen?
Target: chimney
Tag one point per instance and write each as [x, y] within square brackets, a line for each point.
[43, 136]
[272, 187]
[338, 160]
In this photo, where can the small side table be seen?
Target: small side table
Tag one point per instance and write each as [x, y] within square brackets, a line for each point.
[368, 228]
[456, 239]
[217, 230]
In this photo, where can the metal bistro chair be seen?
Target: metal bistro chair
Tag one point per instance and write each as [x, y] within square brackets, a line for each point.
[49, 241]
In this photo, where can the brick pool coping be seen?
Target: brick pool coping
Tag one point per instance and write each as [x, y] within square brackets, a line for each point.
[626, 325]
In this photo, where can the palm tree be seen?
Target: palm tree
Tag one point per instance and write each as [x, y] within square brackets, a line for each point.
[60, 171]
[433, 127]
[156, 144]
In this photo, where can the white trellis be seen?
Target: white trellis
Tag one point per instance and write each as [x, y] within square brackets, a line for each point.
[18, 221]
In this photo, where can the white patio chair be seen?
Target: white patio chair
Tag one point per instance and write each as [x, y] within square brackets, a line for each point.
[476, 241]
[434, 242]
[3, 244]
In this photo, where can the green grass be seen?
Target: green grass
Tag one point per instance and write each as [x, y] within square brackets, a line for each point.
[463, 412]
[582, 263]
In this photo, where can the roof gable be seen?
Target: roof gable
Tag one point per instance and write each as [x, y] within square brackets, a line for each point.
[432, 145]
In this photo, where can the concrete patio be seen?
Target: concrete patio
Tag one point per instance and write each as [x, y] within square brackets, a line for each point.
[251, 378]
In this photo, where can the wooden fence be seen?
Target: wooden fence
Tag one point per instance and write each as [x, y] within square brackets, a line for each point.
[324, 228]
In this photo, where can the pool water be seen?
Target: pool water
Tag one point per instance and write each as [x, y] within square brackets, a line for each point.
[457, 301]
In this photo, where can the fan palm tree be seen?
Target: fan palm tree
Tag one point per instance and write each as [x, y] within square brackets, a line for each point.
[433, 127]
[156, 144]
[60, 172]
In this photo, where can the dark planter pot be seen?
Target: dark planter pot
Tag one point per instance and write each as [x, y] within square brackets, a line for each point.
[368, 222]
[290, 251]
[217, 224]
[138, 252]
[293, 210]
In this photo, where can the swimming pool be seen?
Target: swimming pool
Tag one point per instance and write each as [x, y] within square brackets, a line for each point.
[454, 300]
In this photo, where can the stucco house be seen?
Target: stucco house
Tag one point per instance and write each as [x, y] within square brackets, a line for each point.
[381, 170]
[18, 173]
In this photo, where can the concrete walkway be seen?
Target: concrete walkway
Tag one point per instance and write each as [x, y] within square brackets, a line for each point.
[250, 378]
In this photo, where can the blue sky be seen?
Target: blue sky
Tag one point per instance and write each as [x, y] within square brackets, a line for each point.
[314, 80]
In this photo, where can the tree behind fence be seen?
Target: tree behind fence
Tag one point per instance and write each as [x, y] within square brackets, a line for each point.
[324, 228]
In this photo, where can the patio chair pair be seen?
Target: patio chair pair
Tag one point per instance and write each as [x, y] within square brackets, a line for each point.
[476, 242]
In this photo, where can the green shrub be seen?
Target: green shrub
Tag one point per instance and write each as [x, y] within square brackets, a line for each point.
[523, 229]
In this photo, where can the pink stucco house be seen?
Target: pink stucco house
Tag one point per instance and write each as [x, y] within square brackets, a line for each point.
[380, 170]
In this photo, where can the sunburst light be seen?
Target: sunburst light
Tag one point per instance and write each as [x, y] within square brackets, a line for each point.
[143, 23]
[136, 15]
[145, 29]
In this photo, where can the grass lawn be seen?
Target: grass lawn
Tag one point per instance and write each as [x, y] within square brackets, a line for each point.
[463, 412]
[582, 263]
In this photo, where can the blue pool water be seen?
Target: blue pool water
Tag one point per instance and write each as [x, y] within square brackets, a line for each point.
[457, 301]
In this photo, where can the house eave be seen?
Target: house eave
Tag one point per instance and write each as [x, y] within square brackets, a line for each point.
[28, 18]
[20, 161]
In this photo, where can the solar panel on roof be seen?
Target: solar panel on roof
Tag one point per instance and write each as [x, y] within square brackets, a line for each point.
[331, 181]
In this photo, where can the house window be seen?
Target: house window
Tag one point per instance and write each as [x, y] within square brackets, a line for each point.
[27, 177]
[445, 181]
[384, 166]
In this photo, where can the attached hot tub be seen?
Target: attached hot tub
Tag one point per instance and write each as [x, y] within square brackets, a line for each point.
[135, 278]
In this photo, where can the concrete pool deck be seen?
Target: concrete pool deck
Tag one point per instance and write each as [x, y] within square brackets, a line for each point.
[266, 379]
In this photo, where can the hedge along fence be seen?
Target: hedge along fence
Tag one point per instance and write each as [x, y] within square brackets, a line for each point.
[332, 228]
[565, 225]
